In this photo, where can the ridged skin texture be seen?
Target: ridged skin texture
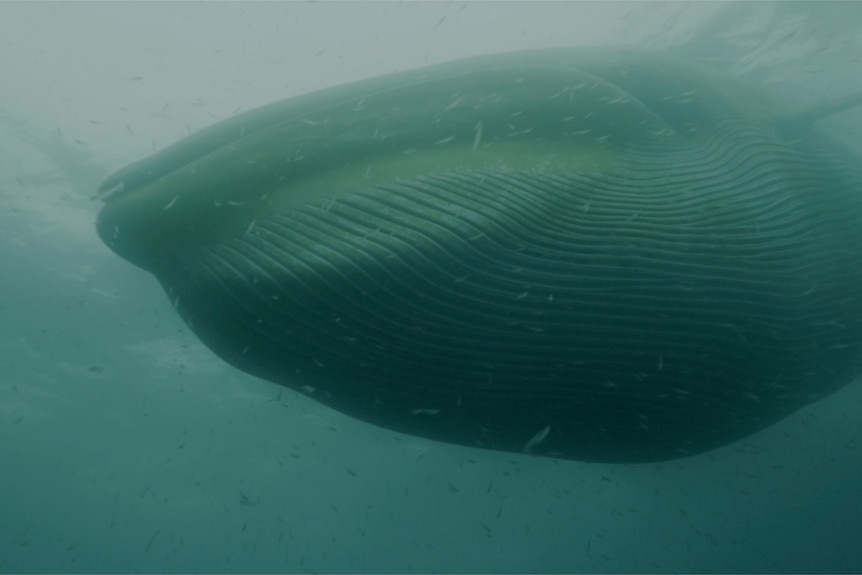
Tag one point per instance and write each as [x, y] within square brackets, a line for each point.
[686, 271]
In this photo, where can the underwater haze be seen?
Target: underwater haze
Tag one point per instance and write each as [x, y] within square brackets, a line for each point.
[128, 446]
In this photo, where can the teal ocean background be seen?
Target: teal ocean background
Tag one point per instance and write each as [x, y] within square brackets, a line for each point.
[127, 446]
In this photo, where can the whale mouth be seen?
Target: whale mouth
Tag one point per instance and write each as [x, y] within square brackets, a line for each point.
[108, 193]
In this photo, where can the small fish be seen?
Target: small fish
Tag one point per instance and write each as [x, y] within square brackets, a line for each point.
[454, 103]
[246, 500]
[537, 439]
[477, 139]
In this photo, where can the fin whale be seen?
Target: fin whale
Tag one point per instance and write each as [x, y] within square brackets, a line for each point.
[593, 254]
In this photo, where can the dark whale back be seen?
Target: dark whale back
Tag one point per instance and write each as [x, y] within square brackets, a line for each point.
[594, 254]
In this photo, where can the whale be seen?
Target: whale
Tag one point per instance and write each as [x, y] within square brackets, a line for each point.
[595, 254]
